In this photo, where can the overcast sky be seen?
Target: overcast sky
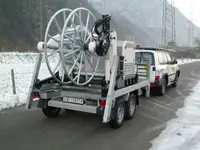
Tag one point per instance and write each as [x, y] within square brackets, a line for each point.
[188, 6]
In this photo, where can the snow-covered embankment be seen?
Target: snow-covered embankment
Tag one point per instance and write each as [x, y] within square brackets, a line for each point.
[183, 132]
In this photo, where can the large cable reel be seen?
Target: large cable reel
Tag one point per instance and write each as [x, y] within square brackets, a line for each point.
[67, 41]
[80, 21]
[76, 47]
[51, 44]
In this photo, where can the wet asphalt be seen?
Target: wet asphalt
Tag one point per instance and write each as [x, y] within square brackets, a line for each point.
[22, 129]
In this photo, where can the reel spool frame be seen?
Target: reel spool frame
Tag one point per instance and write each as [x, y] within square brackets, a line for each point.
[77, 46]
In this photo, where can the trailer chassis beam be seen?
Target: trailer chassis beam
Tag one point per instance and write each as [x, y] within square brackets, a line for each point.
[37, 66]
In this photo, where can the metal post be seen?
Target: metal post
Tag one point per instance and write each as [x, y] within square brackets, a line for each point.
[109, 99]
[13, 81]
[148, 77]
[41, 20]
[34, 79]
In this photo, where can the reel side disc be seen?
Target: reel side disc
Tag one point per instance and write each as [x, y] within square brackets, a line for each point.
[52, 41]
[77, 29]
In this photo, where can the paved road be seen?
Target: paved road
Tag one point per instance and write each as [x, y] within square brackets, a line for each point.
[30, 130]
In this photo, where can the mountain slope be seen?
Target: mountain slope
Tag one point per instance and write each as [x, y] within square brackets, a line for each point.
[20, 22]
[125, 29]
[147, 16]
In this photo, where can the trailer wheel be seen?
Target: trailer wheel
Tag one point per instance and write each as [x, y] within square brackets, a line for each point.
[131, 107]
[51, 112]
[118, 114]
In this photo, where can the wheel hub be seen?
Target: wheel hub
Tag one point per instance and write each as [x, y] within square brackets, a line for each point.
[120, 113]
[163, 87]
[132, 106]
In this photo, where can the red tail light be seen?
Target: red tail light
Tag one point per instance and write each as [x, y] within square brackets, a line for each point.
[157, 77]
[102, 103]
[36, 96]
[152, 85]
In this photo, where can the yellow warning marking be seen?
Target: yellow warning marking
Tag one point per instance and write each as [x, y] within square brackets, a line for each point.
[146, 67]
[167, 68]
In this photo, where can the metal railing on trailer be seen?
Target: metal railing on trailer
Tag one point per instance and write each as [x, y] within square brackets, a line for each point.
[156, 49]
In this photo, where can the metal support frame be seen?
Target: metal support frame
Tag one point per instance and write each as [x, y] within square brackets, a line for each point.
[148, 77]
[110, 95]
[131, 88]
[34, 79]
[82, 108]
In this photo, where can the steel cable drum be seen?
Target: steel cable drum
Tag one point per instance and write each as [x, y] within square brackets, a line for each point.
[84, 63]
[52, 42]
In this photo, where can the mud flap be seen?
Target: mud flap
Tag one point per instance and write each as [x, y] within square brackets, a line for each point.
[42, 103]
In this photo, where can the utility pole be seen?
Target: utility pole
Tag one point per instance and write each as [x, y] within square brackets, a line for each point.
[189, 32]
[41, 20]
[190, 27]
[168, 23]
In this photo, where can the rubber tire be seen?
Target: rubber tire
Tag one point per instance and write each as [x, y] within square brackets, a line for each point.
[161, 91]
[175, 84]
[128, 115]
[114, 122]
[143, 92]
[51, 112]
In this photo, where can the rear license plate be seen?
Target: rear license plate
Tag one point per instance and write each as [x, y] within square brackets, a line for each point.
[73, 100]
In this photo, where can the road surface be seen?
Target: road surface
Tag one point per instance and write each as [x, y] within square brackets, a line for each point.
[30, 130]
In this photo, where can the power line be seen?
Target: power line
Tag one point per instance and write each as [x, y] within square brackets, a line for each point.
[120, 11]
[123, 9]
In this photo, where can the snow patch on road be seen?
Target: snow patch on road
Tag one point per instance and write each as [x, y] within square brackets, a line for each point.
[183, 132]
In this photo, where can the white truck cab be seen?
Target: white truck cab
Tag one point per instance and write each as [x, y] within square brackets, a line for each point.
[164, 70]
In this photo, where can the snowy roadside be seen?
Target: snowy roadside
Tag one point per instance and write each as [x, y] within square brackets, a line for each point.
[23, 75]
[183, 132]
[23, 65]
[186, 61]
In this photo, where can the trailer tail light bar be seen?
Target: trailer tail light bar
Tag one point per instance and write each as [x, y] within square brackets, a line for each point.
[152, 85]
[36, 96]
[102, 103]
[157, 78]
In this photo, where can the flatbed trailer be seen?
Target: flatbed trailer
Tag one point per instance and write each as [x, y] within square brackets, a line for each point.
[54, 94]
[113, 94]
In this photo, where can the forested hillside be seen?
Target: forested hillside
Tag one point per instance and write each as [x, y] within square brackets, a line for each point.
[20, 22]
[146, 15]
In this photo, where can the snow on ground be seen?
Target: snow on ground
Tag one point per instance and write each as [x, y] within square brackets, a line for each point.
[186, 61]
[23, 70]
[183, 132]
[23, 65]
[23, 76]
